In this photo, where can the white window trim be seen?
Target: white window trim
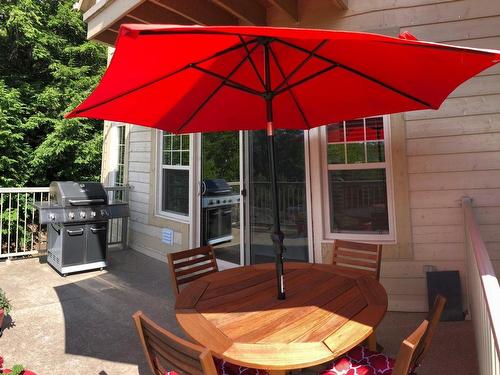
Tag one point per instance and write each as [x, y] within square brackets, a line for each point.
[113, 153]
[159, 178]
[368, 237]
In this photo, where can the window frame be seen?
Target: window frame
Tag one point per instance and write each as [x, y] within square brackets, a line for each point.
[387, 165]
[121, 136]
[176, 216]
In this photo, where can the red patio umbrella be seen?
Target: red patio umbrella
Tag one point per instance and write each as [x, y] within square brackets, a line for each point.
[185, 79]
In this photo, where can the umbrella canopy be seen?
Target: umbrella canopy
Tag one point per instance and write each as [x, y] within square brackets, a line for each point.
[185, 79]
[196, 79]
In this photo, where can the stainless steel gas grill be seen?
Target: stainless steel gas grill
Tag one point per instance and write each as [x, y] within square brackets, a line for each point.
[77, 222]
[217, 204]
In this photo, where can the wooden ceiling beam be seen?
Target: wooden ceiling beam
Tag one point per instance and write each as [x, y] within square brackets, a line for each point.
[116, 26]
[151, 12]
[287, 6]
[247, 10]
[199, 11]
[107, 37]
[341, 4]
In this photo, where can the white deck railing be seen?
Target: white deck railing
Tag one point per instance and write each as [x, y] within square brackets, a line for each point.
[20, 231]
[483, 295]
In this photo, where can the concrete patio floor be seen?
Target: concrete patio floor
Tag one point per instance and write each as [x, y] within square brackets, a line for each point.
[81, 324]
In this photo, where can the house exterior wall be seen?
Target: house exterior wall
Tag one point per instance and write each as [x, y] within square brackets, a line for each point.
[146, 226]
[438, 156]
[450, 153]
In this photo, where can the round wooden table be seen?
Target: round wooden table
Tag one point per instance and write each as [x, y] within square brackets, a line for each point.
[235, 313]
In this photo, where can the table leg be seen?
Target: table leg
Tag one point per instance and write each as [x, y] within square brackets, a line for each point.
[372, 342]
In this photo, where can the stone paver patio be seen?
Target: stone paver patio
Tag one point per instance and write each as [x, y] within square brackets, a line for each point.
[81, 324]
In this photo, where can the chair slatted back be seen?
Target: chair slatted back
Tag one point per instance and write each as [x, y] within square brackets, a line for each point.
[408, 350]
[415, 346]
[166, 352]
[358, 257]
[433, 317]
[189, 265]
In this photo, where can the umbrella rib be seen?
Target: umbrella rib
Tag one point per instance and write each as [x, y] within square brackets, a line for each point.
[298, 67]
[357, 72]
[295, 100]
[229, 82]
[168, 75]
[305, 79]
[253, 63]
[207, 99]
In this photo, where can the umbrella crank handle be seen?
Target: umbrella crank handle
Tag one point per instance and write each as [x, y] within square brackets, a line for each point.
[277, 239]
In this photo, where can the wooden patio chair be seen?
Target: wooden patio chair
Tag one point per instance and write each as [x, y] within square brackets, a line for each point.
[168, 354]
[433, 317]
[189, 265]
[408, 359]
[357, 258]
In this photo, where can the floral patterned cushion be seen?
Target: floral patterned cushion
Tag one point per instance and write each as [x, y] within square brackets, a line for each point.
[361, 361]
[226, 368]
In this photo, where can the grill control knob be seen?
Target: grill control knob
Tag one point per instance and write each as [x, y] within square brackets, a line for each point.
[71, 215]
[93, 214]
[52, 216]
[83, 214]
[218, 201]
[210, 202]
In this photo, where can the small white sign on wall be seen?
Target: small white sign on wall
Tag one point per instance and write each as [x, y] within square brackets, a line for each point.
[167, 236]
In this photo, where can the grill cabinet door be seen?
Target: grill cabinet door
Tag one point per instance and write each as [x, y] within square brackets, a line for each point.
[73, 245]
[97, 242]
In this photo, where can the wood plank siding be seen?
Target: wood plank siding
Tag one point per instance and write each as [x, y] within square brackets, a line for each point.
[451, 153]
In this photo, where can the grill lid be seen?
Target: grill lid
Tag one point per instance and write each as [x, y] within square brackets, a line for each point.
[217, 186]
[71, 193]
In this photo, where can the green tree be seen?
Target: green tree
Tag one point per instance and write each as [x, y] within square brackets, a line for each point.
[46, 67]
[221, 156]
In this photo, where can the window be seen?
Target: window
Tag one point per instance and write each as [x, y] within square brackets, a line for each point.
[358, 177]
[175, 168]
[120, 175]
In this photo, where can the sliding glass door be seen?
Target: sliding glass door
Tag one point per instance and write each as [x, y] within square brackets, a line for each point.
[292, 196]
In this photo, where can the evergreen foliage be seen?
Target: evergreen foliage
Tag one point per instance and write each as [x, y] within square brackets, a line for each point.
[46, 68]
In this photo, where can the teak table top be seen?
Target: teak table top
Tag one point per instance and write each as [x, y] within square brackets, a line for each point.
[235, 313]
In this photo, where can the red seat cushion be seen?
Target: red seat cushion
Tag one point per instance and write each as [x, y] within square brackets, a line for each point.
[361, 361]
[226, 368]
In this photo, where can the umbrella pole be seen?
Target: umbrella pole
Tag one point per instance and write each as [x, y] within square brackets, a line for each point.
[277, 236]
